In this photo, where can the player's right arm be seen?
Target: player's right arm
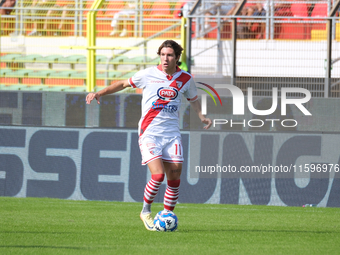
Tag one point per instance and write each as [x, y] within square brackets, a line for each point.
[115, 87]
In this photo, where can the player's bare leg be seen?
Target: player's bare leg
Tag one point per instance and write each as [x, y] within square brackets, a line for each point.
[173, 170]
[156, 168]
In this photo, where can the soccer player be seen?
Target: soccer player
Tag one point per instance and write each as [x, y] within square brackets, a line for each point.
[159, 136]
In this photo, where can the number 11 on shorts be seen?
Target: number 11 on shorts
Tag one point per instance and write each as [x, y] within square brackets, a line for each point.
[178, 149]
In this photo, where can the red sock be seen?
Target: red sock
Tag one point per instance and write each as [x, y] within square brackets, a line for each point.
[171, 195]
[152, 187]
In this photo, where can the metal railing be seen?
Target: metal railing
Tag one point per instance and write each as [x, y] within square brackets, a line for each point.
[291, 49]
[22, 17]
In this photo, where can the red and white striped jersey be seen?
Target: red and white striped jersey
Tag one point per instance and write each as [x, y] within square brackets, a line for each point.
[162, 99]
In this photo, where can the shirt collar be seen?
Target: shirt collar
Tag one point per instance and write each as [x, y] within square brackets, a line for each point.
[169, 77]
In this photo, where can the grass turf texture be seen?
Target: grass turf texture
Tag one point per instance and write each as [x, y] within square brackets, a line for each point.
[53, 226]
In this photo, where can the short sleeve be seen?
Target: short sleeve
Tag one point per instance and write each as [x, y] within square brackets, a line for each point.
[137, 81]
[191, 92]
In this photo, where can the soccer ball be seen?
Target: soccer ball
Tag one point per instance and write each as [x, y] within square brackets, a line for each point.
[165, 221]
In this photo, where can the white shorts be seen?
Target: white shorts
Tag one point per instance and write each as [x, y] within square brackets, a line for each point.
[169, 149]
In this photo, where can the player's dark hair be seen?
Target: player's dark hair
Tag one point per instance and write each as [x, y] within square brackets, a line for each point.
[171, 44]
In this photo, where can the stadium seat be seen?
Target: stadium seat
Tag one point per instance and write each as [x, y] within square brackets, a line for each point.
[27, 76]
[152, 24]
[299, 9]
[62, 74]
[36, 87]
[8, 24]
[41, 73]
[88, 5]
[113, 7]
[52, 59]
[139, 61]
[99, 74]
[154, 61]
[19, 73]
[17, 61]
[127, 75]
[292, 30]
[147, 8]
[8, 58]
[80, 75]
[55, 81]
[101, 77]
[58, 88]
[118, 61]
[100, 14]
[160, 9]
[74, 59]
[3, 71]
[37, 77]
[8, 87]
[281, 12]
[100, 59]
[9, 80]
[136, 60]
[31, 81]
[13, 77]
[2, 64]
[76, 89]
[66, 78]
[225, 30]
[317, 35]
[29, 58]
[114, 74]
[320, 10]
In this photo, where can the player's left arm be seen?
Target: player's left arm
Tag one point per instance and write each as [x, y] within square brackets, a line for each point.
[191, 94]
[196, 105]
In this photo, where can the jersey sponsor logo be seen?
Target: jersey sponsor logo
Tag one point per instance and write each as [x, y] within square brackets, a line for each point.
[167, 93]
[163, 107]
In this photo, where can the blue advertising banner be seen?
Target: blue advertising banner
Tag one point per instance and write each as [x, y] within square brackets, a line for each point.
[105, 164]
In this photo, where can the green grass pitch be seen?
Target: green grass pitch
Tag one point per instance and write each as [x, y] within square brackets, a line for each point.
[53, 226]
